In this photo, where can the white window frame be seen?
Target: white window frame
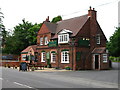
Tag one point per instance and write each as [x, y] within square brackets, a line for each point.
[53, 57]
[98, 39]
[105, 58]
[63, 38]
[24, 57]
[43, 56]
[41, 41]
[64, 56]
[46, 40]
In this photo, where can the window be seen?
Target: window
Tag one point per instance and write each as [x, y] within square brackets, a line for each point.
[53, 57]
[46, 40]
[41, 41]
[43, 55]
[98, 39]
[65, 57]
[104, 57]
[23, 57]
[63, 38]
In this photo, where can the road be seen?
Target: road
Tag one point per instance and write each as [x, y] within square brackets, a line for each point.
[12, 78]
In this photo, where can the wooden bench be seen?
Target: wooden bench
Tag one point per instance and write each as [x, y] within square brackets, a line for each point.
[38, 66]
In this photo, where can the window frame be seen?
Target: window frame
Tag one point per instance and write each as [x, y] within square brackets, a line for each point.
[46, 40]
[63, 38]
[65, 56]
[98, 38]
[53, 60]
[105, 58]
[41, 40]
[23, 57]
[43, 56]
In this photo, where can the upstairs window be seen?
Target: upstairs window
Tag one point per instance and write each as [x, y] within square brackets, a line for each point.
[46, 40]
[63, 38]
[98, 39]
[41, 41]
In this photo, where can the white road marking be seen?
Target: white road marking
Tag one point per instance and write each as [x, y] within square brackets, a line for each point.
[1, 78]
[22, 85]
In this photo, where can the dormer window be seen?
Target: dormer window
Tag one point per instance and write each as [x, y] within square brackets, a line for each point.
[46, 40]
[98, 39]
[63, 36]
[41, 41]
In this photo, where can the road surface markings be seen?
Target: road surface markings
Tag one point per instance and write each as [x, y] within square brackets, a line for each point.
[1, 78]
[22, 85]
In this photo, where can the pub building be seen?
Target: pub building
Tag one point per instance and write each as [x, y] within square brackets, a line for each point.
[78, 43]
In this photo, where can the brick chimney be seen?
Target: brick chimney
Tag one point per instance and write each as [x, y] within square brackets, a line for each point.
[92, 13]
[47, 19]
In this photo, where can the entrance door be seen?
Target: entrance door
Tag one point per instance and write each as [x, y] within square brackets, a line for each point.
[96, 61]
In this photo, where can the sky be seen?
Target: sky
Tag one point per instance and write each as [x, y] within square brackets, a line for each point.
[36, 11]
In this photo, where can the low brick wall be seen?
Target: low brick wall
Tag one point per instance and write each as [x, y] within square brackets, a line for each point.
[10, 64]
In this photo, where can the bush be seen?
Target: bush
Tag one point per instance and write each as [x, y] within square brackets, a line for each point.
[114, 59]
[67, 68]
[57, 68]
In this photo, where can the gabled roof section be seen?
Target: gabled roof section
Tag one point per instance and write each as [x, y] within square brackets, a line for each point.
[73, 24]
[64, 31]
[29, 47]
[51, 26]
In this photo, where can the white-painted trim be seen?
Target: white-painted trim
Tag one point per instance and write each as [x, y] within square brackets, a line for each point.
[52, 58]
[42, 57]
[105, 57]
[64, 57]
[98, 39]
[62, 40]
[94, 60]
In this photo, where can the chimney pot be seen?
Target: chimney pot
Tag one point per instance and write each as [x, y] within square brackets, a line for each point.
[90, 8]
[47, 19]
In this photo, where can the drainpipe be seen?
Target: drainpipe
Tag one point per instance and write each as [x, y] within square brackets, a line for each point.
[58, 56]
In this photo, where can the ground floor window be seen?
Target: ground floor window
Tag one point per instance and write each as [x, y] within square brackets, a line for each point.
[43, 55]
[104, 57]
[23, 57]
[65, 57]
[53, 57]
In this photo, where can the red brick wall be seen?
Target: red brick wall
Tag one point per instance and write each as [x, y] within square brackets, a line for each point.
[11, 63]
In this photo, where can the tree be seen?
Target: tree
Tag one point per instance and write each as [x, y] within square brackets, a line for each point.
[56, 19]
[3, 32]
[23, 35]
[114, 44]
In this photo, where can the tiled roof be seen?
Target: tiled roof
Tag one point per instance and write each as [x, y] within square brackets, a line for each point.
[51, 26]
[73, 24]
[99, 50]
[29, 47]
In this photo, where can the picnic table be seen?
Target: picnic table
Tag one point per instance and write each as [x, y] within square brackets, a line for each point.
[35, 66]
